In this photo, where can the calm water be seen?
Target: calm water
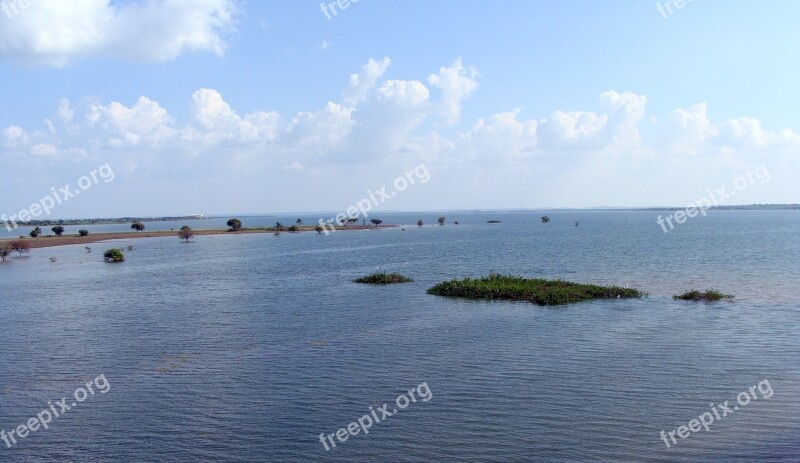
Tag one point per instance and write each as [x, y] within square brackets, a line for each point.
[246, 348]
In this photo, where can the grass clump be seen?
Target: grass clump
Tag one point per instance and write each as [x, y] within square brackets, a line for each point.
[710, 295]
[383, 278]
[537, 291]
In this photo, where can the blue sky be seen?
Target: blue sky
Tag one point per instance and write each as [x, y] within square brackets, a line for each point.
[222, 106]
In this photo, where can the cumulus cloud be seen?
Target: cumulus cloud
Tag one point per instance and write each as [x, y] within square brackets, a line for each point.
[457, 83]
[57, 32]
[363, 83]
[146, 122]
[381, 119]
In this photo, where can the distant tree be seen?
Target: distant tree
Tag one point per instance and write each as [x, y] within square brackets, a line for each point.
[319, 229]
[83, 232]
[545, 219]
[114, 255]
[420, 223]
[294, 229]
[278, 226]
[138, 226]
[376, 222]
[235, 224]
[186, 233]
[58, 230]
[5, 251]
[353, 220]
[441, 220]
[298, 222]
[20, 246]
[36, 232]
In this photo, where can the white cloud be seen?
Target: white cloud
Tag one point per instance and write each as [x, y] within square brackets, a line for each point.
[457, 83]
[387, 120]
[56, 32]
[145, 123]
[363, 83]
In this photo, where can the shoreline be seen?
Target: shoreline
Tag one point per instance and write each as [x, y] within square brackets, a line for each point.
[67, 240]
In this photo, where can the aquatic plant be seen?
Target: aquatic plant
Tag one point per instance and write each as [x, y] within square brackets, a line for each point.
[383, 278]
[537, 291]
[710, 295]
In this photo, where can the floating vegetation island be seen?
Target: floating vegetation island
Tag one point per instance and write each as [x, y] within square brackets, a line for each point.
[383, 279]
[710, 295]
[537, 291]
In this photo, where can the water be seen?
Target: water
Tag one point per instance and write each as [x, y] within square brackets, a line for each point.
[246, 348]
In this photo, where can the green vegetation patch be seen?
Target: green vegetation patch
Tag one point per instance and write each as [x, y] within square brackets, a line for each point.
[537, 291]
[711, 295]
[383, 279]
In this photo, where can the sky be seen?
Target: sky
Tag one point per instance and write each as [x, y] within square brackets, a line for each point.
[233, 106]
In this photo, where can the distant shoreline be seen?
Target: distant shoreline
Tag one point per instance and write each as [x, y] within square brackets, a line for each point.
[67, 240]
[125, 220]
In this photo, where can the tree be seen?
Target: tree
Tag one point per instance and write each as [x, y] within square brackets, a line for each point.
[114, 255]
[58, 230]
[420, 223]
[20, 246]
[36, 232]
[278, 226]
[376, 222]
[235, 225]
[294, 229]
[186, 233]
[298, 222]
[352, 220]
[319, 229]
[5, 251]
[545, 219]
[138, 226]
[441, 220]
[83, 232]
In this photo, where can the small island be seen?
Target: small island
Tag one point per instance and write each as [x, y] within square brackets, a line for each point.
[383, 278]
[537, 291]
[710, 295]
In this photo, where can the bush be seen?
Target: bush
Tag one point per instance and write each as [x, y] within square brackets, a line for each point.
[710, 295]
[235, 225]
[83, 232]
[20, 246]
[186, 233]
[383, 278]
[114, 255]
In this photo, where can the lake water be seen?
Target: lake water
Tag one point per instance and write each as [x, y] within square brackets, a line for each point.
[247, 348]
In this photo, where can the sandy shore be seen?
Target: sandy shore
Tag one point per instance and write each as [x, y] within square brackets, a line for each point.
[51, 241]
